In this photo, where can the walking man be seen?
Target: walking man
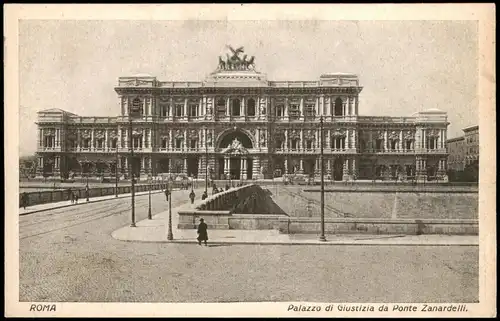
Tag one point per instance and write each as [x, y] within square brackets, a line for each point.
[204, 195]
[192, 195]
[202, 232]
[76, 197]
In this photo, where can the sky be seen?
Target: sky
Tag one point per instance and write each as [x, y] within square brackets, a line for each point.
[403, 66]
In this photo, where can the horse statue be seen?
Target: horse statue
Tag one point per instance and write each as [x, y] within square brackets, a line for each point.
[250, 62]
[222, 63]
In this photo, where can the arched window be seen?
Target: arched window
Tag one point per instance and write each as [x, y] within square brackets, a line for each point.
[235, 107]
[338, 107]
[251, 107]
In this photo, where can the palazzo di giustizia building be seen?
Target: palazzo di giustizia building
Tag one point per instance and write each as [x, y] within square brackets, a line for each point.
[248, 126]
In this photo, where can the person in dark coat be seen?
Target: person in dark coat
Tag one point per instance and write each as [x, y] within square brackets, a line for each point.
[71, 196]
[192, 195]
[227, 187]
[204, 195]
[202, 232]
[24, 200]
[76, 197]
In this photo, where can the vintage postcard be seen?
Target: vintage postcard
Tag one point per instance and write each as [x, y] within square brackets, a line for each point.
[250, 160]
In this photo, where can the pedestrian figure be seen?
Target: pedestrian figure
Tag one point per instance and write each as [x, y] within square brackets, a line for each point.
[204, 195]
[24, 200]
[71, 196]
[76, 197]
[227, 187]
[192, 195]
[214, 189]
[202, 232]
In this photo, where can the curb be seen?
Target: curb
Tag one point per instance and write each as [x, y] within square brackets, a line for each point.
[85, 202]
[296, 243]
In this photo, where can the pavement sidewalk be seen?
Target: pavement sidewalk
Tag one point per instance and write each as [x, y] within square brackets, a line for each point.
[155, 230]
[81, 201]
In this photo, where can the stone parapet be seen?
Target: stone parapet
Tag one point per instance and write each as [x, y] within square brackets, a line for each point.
[293, 225]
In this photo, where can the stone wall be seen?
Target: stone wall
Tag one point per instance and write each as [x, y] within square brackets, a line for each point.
[379, 226]
[35, 198]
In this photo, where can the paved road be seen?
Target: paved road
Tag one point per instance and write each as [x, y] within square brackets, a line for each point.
[69, 255]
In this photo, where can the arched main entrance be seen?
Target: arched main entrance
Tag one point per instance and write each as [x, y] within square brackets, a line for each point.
[234, 161]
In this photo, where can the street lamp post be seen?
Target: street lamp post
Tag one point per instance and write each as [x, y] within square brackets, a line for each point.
[149, 206]
[322, 236]
[206, 168]
[87, 188]
[168, 193]
[132, 224]
[116, 172]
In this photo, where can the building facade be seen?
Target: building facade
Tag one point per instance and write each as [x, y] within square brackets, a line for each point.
[238, 123]
[456, 153]
[463, 150]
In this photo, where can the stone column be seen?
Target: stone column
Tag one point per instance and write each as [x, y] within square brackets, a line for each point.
[200, 108]
[171, 107]
[256, 167]
[185, 145]
[316, 107]
[301, 168]
[184, 169]
[143, 138]
[345, 169]
[92, 139]
[228, 109]
[242, 107]
[301, 143]
[345, 106]
[400, 145]
[301, 107]
[286, 107]
[106, 139]
[227, 163]
[286, 140]
[386, 140]
[243, 169]
[185, 108]
[321, 105]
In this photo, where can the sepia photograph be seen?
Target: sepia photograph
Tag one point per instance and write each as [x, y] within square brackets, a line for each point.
[301, 166]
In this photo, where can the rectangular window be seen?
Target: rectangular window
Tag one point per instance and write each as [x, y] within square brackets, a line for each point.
[379, 144]
[408, 144]
[193, 143]
[164, 109]
[280, 110]
[99, 143]
[309, 144]
[193, 110]
[294, 144]
[309, 110]
[178, 143]
[163, 143]
[178, 110]
[113, 143]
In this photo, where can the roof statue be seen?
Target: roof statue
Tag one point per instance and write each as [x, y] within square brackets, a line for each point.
[235, 62]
